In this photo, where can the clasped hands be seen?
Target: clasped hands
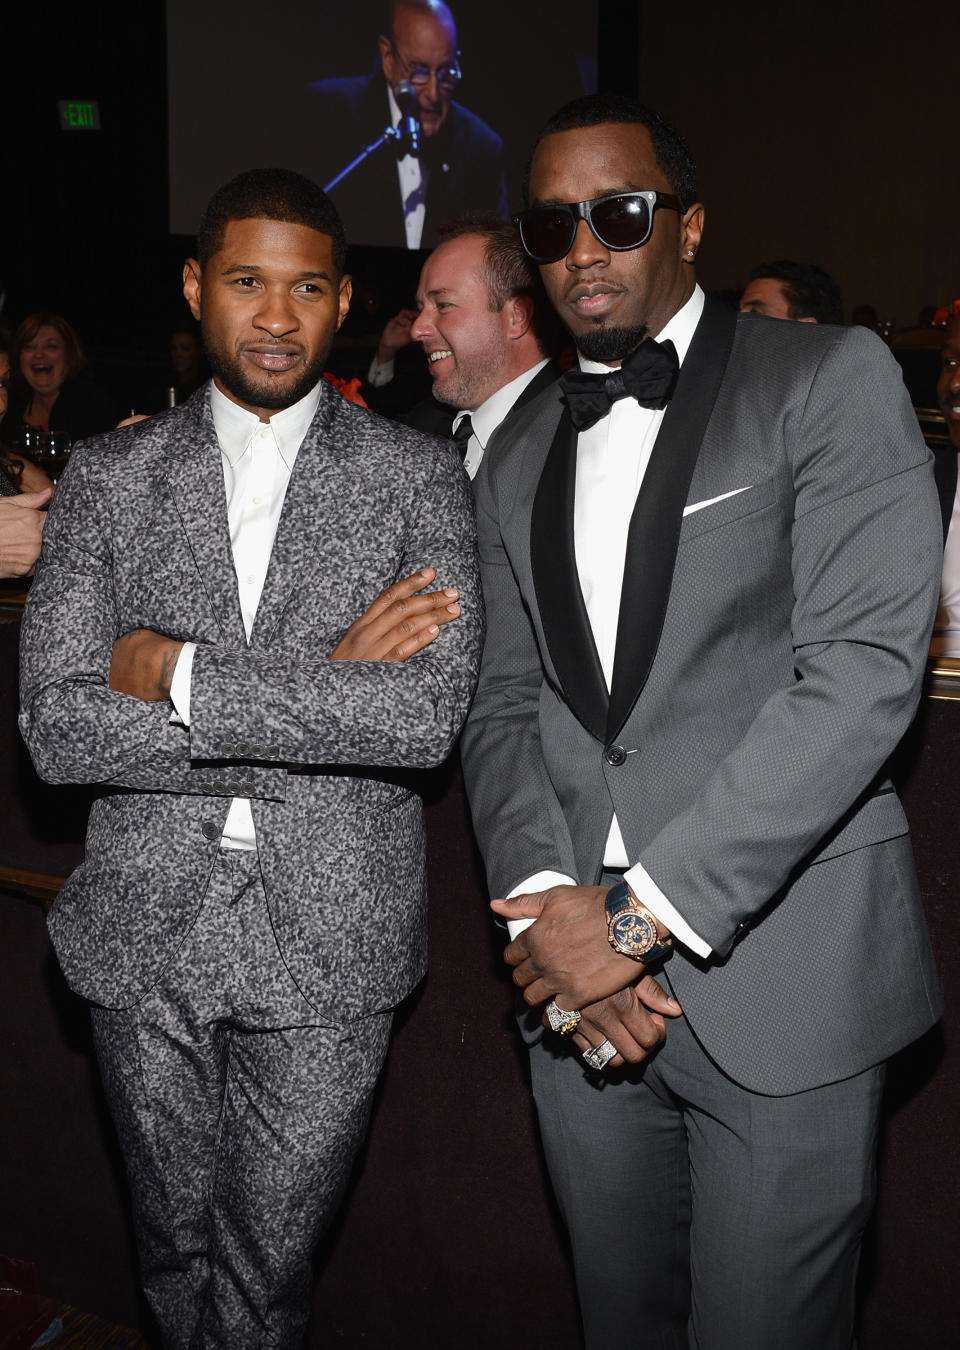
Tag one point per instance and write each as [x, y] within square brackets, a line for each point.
[565, 956]
[402, 620]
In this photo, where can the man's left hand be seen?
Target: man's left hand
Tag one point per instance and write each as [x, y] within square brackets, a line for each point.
[143, 663]
[565, 955]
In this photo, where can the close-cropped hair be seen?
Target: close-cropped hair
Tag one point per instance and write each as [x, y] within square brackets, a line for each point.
[507, 271]
[74, 357]
[671, 151]
[810, 291]
[270, 194]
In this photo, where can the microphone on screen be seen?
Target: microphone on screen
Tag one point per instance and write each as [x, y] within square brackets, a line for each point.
[407, 102]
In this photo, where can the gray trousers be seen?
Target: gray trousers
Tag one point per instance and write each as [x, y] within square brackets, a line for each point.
[239, 1114]
[703, 1216]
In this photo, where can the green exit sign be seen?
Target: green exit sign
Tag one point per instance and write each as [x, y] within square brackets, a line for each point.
[79, 114]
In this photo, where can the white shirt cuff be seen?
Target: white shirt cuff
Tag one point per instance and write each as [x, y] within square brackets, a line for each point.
[180, 684]
[540, 881]
[649, 893]
[380, 373]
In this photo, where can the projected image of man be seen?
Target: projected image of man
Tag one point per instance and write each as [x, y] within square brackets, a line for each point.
[446, 162]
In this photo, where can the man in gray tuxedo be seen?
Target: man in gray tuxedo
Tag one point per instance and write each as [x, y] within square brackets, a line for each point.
[710, 567]
[252, 904]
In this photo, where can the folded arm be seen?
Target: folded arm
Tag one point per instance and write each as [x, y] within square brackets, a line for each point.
[79, 729]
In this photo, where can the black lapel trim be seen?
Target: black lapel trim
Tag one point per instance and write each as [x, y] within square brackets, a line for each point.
[557, 585]
[655, 524]
[945, 477]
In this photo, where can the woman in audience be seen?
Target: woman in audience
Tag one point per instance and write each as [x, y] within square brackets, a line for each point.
[50, 389]
[17, 473]
[187, 361]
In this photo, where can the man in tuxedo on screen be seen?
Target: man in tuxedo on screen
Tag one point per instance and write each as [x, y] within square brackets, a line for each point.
[402, 191]
[710, 562]
[251, 906]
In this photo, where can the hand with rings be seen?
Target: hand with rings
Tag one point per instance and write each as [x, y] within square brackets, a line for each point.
[625, 1028]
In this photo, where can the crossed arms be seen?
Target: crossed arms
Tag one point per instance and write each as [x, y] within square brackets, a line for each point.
[363, 708]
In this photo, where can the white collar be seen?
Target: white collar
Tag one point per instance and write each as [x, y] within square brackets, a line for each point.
[236, 426]
[485, 419]
[679, 330]
[394, 106]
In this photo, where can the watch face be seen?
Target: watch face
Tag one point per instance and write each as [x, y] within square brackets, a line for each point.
[633, 934]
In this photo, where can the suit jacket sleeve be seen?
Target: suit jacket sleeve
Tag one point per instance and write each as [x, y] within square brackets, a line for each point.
[79, 730]
[865, 562]
[517, 816]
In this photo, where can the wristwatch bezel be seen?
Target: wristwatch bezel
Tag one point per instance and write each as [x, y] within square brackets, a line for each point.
[625, 915]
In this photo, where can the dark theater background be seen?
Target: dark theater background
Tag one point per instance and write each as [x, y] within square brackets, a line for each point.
[825, 133]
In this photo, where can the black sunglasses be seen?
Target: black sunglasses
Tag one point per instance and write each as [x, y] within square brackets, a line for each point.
[621, 221]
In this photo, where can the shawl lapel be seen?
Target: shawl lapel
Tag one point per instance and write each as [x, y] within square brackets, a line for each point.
[553, 561]
[194, 473]
[655, 524]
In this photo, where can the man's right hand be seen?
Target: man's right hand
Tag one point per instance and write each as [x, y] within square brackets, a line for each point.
[632, 1020]
[401, 621]
[396, 334]
[21, 528]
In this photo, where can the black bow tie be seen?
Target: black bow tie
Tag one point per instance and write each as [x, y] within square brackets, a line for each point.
[648, 375]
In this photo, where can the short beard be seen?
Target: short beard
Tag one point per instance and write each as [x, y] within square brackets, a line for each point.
[610, 344]
[248, 390]
[467, 390]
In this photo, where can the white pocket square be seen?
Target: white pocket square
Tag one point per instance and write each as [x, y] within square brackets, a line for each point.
[698, 506]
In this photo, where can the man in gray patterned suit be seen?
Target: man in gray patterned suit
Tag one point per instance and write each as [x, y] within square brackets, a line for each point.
[251, 905]
[710, 567]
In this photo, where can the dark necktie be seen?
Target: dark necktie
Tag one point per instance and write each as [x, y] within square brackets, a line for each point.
[648, 375]
[462, 435]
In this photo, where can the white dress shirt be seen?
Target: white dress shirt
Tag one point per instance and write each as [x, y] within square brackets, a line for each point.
[258, 459]
[946, 630]
[412, 177]
[490, 414]
[612, 458]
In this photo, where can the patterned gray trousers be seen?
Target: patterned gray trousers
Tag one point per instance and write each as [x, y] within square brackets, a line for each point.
[239, 1114]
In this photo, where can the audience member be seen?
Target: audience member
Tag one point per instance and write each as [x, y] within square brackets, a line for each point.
[709, 561]
[864, 316]
[396, 197]
[19, 470]
[481, 324]
[946, 634]
[21, 529]
[21, 517]
[251, 906]
[187, 361]
[51, 387]
[398, 377]
[792, 290]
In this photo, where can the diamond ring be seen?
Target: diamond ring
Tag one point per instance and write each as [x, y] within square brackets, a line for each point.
[560, 1020]
[599, 1056]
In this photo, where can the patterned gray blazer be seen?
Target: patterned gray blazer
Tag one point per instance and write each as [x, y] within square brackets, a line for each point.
[137, 537]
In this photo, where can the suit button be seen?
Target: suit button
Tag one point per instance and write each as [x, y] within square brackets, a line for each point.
[242, 748]
[209, 830]
[248, 787]
[227, 748]
[272, 751]
[615, 755]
